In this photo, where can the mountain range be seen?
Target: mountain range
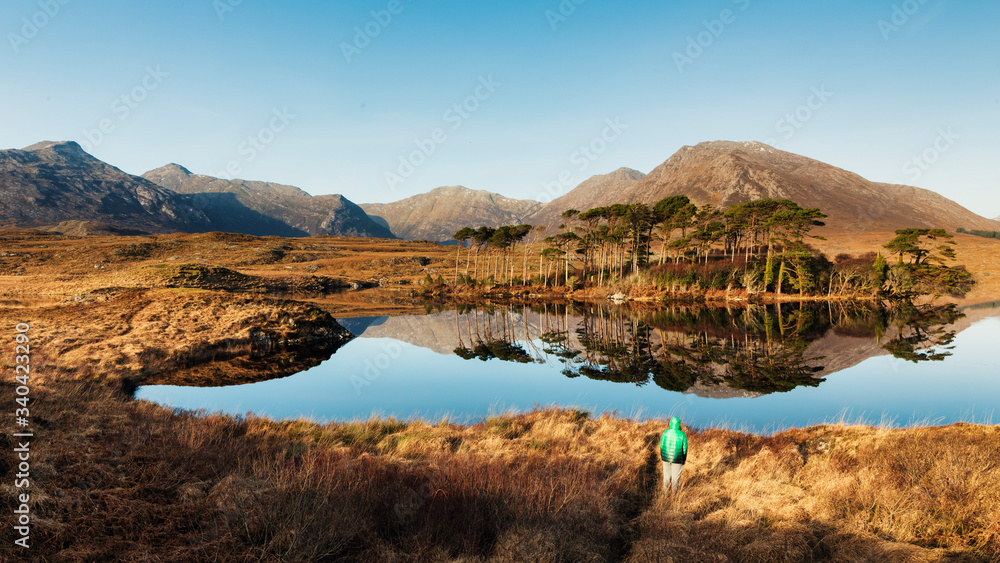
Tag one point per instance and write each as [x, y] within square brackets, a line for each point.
[48, 183]
[439, 213]
[58, 186]
[724, 173]
[300, 212]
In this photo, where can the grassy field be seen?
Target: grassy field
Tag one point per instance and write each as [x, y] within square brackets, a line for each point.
[117, 480]
[121, 480]
[51, 269]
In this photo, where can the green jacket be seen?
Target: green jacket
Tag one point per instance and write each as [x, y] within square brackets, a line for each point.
[674, 443]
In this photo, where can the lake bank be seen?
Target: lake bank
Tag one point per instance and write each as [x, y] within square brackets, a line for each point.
[757, 368]
[138, 478]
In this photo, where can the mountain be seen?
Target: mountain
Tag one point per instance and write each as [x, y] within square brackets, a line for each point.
[439, 213]
[58, 186]
[724, 173]
[300, 213]
[592, 192]
[52, 182]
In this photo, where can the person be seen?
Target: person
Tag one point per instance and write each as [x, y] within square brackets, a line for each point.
[673, 452]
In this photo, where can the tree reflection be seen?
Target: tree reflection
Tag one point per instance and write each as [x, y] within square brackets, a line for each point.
[755, 349]
[923, 333]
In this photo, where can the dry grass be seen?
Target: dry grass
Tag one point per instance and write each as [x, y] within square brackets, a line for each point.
[117, 480]
[57, 268]
[834, 493]
[979, 255]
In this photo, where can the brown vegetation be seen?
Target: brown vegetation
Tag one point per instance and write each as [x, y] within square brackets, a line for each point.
[116, 480]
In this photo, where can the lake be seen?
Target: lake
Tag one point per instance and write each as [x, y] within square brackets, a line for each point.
[755, 368]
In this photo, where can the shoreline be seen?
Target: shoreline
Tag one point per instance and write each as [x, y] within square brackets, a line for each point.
[555, 481]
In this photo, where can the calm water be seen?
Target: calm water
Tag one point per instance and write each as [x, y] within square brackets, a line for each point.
[760, 369]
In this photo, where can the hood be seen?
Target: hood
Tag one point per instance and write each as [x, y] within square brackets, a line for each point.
[675, 423]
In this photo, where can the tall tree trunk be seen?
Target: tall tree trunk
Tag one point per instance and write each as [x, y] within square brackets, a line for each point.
[468, 257]
[781, 276]
[524, 266]
[512, 248]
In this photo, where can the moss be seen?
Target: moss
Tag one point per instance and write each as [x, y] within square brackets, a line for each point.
[202, 276]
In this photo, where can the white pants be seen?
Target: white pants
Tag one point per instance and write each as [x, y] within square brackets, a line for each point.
[672, 475]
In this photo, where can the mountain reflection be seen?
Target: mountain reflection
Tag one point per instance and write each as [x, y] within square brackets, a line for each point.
[717, 352]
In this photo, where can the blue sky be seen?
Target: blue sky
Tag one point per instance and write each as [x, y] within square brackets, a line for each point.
[332, 111]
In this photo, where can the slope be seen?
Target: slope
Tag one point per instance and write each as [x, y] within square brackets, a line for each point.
[439, 213]
[300, 213]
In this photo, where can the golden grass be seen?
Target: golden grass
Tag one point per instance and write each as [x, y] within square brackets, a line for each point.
[128, 481]
[979, 255]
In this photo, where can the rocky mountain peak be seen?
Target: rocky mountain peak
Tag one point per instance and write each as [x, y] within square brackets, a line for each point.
[62, 147]
[174, 168]
[67, 151]
[626, 173]
[602, 187]
[170, 176]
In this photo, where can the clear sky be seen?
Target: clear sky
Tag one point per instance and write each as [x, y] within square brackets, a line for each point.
[338, 96]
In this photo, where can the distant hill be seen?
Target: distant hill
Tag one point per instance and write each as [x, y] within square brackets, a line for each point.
[58, 186]
[300, 213]
[439, 213]
[593, 192]
[52, 182]
[724, 173]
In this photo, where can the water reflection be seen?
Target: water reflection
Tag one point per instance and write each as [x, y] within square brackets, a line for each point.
[923, 333]
[755, 349]
[771, 366]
